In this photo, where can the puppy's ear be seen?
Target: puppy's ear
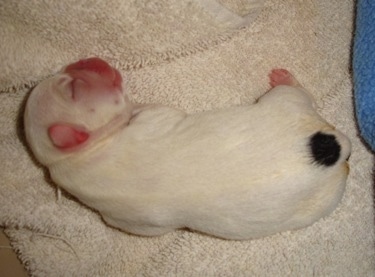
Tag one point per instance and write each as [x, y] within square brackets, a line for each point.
[65, 136]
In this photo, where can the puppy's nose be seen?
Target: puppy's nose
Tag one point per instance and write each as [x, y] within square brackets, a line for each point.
[92, 64]
[96, 65]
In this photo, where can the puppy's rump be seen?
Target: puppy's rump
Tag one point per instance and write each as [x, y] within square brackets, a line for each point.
[327, 149]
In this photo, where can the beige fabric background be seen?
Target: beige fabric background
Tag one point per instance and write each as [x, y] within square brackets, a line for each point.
[195, 55]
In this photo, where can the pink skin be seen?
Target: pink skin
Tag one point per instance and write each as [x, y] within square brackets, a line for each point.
[91, 76]
[107, 74]
[282, 77]
[66, 137]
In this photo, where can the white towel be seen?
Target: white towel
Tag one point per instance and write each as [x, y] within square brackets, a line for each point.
[178, 53]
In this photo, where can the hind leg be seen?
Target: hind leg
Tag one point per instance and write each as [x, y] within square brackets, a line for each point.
[282, 81]
[282, 77]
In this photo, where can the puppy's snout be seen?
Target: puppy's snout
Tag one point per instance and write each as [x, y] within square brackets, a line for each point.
[92, 64]
[328, 149]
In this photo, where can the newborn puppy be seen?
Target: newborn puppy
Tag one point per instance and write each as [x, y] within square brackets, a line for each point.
[237, 173]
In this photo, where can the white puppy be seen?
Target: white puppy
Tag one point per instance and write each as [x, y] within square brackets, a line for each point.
[238, 173]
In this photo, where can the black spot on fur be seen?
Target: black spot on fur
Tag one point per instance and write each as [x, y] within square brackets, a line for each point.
[325, 149]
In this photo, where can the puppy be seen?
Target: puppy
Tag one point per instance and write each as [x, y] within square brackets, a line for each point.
[238, 173]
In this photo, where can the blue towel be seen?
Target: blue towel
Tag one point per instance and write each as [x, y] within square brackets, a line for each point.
[364, 70]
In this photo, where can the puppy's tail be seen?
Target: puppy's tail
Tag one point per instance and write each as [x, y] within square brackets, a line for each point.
[328, 149]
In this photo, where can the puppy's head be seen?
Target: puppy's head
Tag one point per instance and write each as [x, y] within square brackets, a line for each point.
[74, 108]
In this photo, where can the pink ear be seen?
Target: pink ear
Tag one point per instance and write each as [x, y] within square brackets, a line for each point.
[65, 136]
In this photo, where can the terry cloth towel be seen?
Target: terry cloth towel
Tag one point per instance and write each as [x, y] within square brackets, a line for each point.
[364, 70]
[194, 55]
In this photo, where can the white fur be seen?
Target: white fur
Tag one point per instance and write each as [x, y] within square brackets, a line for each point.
[237, 173]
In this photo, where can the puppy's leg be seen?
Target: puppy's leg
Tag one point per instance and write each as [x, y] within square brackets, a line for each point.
[282, 77]
[138, 108]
